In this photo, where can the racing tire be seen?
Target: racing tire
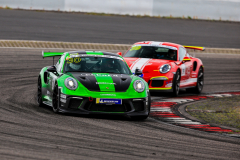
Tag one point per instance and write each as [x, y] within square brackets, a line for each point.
[139, 118]
[55, 99]
[200, 83]
[39, 92]
[176, 84]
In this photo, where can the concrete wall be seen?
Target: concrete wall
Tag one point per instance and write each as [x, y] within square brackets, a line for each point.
[199, 9]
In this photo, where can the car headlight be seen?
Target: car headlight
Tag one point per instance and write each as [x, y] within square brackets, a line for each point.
[71, 83]
[165, 68]
[139, 86]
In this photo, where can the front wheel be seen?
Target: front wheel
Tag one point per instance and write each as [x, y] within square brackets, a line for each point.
[55, 100]
[176, 84]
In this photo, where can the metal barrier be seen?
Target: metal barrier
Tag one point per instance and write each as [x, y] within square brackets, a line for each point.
[195, 9]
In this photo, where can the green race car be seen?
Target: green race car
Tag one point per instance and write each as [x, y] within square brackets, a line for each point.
[91, 82]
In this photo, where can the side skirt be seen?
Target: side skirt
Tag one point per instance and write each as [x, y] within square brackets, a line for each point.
[47, 103]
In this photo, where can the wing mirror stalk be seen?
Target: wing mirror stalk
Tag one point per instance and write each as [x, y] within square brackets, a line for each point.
[52, 69]
[138, 72]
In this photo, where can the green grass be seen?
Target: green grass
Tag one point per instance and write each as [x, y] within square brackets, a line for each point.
[226, 111]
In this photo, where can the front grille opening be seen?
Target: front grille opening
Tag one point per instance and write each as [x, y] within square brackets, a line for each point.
[75, 103]
[107, 108]
[138, 105]
[157, 83]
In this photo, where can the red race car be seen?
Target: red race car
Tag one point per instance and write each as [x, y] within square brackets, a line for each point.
[166, 67]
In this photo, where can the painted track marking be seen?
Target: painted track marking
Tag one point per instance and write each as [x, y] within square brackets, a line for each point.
[162, 110]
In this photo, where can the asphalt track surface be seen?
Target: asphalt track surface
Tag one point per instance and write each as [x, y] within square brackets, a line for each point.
[30, 132]
[69, 27]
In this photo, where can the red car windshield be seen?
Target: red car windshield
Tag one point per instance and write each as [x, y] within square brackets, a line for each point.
[152, 52]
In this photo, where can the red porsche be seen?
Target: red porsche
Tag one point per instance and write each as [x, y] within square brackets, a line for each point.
[166, 67]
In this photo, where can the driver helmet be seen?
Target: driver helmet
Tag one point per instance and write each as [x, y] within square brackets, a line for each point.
[76, 65]
[171, 53]
[108, 63]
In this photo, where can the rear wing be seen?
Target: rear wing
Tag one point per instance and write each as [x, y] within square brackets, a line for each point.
[195, 47]
[51, 54]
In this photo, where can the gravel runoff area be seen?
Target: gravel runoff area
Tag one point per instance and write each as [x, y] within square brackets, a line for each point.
[95, 46]
[221, 111]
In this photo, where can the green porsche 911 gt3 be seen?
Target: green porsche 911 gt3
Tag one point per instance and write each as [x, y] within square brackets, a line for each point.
[89, 82]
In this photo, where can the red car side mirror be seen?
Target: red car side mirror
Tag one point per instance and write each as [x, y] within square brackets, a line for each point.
[119, 53]
[186, 59]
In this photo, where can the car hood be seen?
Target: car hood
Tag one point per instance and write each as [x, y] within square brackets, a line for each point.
[104, 82]
[145, 64]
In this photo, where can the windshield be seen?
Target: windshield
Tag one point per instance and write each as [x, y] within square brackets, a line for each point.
[152, 52]
[96, 64]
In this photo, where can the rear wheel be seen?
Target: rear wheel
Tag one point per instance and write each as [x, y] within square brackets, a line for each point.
[39, 93]
[176, 84]
[200, 83]
[55, 100]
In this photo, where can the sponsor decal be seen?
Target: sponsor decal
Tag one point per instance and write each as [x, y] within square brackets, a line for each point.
[154, 44]
[108, 95]
[108, 101]
[190, 80]
[74, 54]
[135, 48]
[100, 75]
[95, 55]
[105, 83]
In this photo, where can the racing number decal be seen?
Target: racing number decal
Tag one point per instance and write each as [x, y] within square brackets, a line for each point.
[183, 70]
[69, 60]
[75, 60]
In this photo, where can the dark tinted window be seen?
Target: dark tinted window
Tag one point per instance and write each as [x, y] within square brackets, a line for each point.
[152, 52]
[96, 65]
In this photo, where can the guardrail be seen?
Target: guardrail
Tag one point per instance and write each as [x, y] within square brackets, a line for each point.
[95, 46]
[194, 9]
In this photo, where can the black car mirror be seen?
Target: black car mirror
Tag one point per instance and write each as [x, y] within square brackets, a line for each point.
[138, 72]
[52, 69]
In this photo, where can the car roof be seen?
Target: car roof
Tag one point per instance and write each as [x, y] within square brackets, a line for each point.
[94, 53]
[160, 44]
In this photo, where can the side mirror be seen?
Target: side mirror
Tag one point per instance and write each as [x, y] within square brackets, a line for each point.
[138, 72]
[119, 53]
[186, 59]
[52, 69]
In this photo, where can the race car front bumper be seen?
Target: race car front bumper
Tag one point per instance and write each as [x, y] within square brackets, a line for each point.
[160, 83]
[88, 105]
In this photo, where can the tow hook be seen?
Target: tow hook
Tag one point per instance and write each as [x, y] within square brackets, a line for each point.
[90, 99]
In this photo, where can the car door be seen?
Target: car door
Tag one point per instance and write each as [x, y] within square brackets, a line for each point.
[186, 68]
[52, 77]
